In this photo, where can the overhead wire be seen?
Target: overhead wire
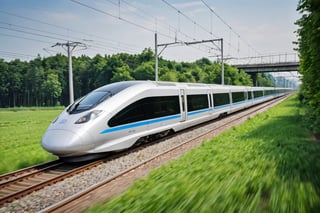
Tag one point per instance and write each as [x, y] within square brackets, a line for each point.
[102, 43]
[109, 44]
[195, 23]
[26, 38]
[16, 55]
[126, 20]
[97, 44]
[60, 38]
[229, 26]
[190, 19]
[112, 15]
[123, 19]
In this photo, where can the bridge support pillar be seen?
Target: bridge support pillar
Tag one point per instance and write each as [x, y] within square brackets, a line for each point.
[254, 79]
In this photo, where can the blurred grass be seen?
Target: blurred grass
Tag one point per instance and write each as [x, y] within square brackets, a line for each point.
[268, 164]
[20, 134]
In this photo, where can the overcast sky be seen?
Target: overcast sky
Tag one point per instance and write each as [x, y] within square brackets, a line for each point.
[248, 27]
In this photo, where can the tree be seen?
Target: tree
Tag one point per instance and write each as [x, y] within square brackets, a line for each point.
[4, 91]
[244, 78]
[99, 68]
[34, 78]
[15, 81]
[213, 72]
[169, 76]
[122, 74]
[146, 56]
[52, 89]
[309, 50]
[264, 82]
[84, 76]
[144, 72]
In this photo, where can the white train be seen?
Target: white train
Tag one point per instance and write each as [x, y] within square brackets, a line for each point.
[117, 116]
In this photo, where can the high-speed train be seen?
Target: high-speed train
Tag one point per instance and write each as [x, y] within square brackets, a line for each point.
[119, 115]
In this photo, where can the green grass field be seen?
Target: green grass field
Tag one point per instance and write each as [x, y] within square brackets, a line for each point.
[268, 164]
[20, 134]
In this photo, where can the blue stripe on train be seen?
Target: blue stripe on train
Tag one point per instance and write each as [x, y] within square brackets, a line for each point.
[141, 123]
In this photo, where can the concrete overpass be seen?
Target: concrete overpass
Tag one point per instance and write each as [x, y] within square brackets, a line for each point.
[269, 67]
[253, 69]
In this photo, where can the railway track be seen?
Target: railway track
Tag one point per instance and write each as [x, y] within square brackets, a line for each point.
[105, 189]
[17, 184]
[11, 176]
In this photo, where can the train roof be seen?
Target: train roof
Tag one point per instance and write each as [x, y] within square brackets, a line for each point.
[115, 88]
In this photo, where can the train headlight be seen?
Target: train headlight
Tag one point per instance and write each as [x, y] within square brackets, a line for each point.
[90, 116]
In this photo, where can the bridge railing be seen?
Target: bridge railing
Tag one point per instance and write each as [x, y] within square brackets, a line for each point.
[264, 59]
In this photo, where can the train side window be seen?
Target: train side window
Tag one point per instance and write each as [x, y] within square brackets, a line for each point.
[249, 95]
[238, 96]
[221, 99]
[267, 92]
[164, 106]
[147, 108]
[196, 102]
[270, 92]
[257, 94]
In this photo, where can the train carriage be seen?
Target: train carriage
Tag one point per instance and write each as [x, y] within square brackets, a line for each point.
[117, 116]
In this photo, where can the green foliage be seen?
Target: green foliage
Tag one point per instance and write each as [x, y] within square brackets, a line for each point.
[268, 164]
[264, 81]
[309, 49]
[20, 134]
[145, 71]
[122, 74]
[44, 81]
[52, 88]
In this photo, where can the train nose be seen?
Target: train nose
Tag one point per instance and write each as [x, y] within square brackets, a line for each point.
[61, 142]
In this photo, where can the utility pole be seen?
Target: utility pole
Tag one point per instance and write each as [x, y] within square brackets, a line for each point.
[156, 55]
[70, 47]
[222, 62]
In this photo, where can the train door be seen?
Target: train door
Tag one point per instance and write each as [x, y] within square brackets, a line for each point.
[183, 105]
[210, 100]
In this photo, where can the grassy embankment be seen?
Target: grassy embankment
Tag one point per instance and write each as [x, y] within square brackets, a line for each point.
[21, 130]
[268, 164]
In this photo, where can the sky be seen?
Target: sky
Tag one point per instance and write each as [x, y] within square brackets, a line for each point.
[249, 28]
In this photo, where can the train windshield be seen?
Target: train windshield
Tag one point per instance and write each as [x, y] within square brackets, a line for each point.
[98, 96]
[89, 101]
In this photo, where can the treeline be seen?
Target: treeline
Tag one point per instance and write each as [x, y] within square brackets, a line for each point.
[309, 51]
[44, 81]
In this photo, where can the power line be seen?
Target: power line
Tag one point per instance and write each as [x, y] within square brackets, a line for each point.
[15, 55]
[31, 33]
[103, 44]
[98, 42]
[225, 23]
[30, 28]
[125, 20]
[190, 19]
[120, 18]
[115, 46]
[113, 16]
[26, 38]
